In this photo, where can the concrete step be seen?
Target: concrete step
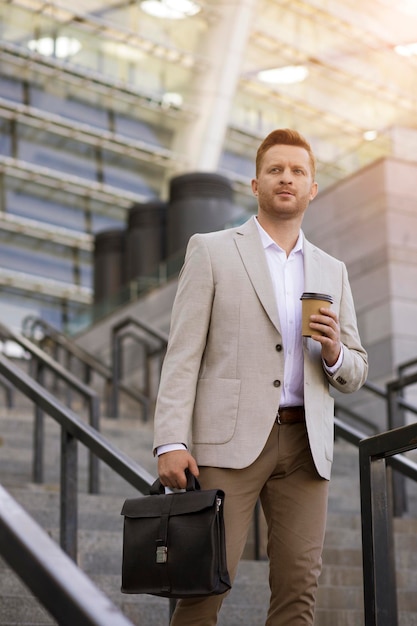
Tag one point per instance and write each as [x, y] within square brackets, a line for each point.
[100, 535]
[132, 437]
[246, 603]
[95, 512]
[100, 538]
[17, 605]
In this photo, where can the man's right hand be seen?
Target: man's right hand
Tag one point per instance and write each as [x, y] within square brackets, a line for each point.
[172, 466]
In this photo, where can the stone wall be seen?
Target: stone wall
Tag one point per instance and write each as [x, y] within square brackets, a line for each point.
[369, 220]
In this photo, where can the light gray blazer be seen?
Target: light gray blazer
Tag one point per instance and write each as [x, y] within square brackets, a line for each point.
[220, 383]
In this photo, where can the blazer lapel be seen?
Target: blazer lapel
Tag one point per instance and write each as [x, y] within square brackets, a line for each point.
[313, 275]
[253, 257]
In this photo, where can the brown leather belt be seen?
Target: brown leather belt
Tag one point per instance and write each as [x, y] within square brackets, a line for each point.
[290, 415]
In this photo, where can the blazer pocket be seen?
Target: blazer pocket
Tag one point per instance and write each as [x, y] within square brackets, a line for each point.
[215, 410]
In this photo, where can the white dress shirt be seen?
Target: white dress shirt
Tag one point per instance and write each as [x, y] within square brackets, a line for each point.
[287, 274]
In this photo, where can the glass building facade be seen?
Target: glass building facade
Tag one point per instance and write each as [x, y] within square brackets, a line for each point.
[101, 104]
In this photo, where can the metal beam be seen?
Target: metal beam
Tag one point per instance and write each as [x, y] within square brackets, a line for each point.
[86, 134]
[70, 184]
[46, 232]
[28, 283]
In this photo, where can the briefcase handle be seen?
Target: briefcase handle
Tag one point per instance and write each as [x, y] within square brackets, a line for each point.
[192, 484]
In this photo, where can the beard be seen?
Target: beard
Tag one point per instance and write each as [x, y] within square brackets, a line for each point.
[274, 206]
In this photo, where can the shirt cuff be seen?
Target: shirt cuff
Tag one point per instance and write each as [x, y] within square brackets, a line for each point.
[333, 369]
[170, 447]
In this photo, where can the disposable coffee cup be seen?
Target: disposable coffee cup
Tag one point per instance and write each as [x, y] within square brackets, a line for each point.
[311, 304]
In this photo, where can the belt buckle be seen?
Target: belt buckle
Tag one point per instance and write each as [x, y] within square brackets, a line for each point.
[278, 419]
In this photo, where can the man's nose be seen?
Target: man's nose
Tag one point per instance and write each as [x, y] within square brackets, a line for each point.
[286, 177]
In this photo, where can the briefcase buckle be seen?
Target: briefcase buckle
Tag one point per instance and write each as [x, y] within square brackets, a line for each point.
[161, 554]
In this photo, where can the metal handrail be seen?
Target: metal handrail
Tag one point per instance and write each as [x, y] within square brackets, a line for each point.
[120, 331]
[396, 405]
[412, 363]
[44, 361]
[31, 324]
[72, 350]
[374, 388]
[396, 418]
[90, 362]
[372, 450]
[348, 433]
[74, 429]
[339, 408]
[8, 392]
[62, 588]
[375, 454]
[381, 392]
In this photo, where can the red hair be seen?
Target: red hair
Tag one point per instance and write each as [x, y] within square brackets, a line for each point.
[287, 137]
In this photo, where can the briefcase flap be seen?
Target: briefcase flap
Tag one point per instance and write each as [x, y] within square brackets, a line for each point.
[181, 504]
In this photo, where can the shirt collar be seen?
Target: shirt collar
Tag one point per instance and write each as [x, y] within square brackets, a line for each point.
[268, 241]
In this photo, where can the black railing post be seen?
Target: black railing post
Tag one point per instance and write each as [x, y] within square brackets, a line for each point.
[87, 374]
[117, 338]
[68, 365]
[396, 420]
[9, 396]
[69, 491]
[116, 375]
[38, 428]
[172, 605]
[94, 470]
[8, 392]
[379, 584]
[55, 355]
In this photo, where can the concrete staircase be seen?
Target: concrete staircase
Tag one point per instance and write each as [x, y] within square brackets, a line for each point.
[100, 535]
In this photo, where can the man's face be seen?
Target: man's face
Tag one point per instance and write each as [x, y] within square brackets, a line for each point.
[284, 185]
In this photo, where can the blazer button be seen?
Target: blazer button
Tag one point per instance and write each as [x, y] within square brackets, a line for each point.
[277, 383]
[278, 347]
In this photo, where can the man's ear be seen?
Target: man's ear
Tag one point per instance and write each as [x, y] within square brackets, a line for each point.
[314, 190]
[254, 185]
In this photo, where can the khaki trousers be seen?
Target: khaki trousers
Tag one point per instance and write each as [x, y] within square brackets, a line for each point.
[294, 500]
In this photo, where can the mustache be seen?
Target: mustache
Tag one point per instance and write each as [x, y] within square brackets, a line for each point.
[285, 190]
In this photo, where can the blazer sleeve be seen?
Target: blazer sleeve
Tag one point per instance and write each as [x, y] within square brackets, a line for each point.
[190, 321]
[354, 369]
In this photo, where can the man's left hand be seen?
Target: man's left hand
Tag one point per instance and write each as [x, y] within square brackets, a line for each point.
[328, 324]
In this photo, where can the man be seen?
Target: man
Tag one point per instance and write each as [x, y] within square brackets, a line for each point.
[244, 400]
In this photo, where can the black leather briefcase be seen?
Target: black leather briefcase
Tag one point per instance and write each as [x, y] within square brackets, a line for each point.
[174, 544]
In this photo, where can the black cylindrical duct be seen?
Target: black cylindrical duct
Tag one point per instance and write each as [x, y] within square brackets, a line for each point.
[109, 263]
[145, 247]
[199, 202]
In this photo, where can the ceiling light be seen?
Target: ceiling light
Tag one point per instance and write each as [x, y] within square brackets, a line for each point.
[61, 47]
[410, 6]
[284, 75]
[122, 51]
[407, 50]
[170, 9]
[172, 55]
[172, 99]
[370, 135]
